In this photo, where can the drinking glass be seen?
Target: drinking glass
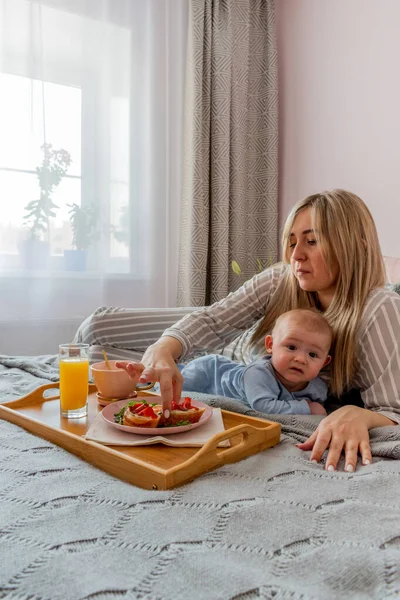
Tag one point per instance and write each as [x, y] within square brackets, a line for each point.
[74, 380]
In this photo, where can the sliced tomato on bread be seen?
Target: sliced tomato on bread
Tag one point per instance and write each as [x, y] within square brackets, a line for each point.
[184, 413]
[142, 414]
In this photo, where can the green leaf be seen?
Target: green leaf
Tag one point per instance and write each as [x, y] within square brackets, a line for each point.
[119, 416]
[52, 169]
[235, 268]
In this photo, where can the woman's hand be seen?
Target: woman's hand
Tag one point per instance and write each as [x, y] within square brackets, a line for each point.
[344, 430]
[158, 364]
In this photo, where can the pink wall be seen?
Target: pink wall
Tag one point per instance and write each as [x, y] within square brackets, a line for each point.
[340, 104]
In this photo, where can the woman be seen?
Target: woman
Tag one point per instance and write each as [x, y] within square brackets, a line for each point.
[333, 262]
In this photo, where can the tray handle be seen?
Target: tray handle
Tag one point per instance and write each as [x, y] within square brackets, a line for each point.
[211, 455]
[249, 435]
[39, 392]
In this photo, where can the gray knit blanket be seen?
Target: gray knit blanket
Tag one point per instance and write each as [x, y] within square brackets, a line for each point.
[271, 526]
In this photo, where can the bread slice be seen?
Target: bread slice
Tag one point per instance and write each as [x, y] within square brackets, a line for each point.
[184, 413]
[151, 416]
[185, 417]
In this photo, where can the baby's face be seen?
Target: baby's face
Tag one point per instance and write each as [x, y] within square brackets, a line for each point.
[297, 354]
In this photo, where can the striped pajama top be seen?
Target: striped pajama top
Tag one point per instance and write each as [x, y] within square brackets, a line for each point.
[378, 366]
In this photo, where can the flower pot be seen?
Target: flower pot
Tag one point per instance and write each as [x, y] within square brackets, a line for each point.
[34, 255]
[75, 260]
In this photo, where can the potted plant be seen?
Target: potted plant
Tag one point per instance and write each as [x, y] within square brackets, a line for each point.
[84, 233]
[35, 249]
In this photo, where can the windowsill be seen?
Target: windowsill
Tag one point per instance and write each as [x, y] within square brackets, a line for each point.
[112, 268]
[63, 295]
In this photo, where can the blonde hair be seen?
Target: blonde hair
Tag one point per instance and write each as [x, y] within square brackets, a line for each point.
[345, 231]
[309, 320]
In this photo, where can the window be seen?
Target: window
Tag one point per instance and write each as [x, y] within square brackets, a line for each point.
[80, 104]
[102, 81]
[23, 104]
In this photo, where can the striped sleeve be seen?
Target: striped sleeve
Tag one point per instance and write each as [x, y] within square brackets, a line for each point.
[212, 327]
[378, 373]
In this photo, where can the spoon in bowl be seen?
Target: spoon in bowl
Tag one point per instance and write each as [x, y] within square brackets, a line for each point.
[106, 360]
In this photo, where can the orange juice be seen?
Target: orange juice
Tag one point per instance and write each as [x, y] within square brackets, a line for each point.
[74, 377]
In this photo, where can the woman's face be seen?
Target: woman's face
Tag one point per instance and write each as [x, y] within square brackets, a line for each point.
[308, 264]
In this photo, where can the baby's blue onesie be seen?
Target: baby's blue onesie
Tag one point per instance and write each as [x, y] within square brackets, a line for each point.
[254, 384]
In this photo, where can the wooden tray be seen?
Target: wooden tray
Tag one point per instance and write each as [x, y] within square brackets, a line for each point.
[157, 467]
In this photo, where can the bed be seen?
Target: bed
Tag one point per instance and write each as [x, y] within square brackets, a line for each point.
[271, 526]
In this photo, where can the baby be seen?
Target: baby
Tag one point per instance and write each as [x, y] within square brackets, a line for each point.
[285, 381]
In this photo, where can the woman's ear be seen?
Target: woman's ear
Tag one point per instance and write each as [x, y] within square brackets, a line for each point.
[268, 343]
[327, 360]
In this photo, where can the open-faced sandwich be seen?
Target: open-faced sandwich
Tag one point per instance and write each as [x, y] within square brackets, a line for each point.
[184, 413]
[139, 413]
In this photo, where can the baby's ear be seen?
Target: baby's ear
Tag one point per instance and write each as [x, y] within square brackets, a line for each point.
[268, 343]
[327, 360]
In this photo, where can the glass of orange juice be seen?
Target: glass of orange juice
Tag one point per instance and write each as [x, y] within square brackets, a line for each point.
[74, 380]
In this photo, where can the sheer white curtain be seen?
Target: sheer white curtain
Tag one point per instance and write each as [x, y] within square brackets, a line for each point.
[90, 152]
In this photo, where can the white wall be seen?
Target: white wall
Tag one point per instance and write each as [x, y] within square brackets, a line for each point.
[340, 104]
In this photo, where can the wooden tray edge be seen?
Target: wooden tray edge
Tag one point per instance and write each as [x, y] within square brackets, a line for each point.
[207, 458]
[98, 455]
[265, 422]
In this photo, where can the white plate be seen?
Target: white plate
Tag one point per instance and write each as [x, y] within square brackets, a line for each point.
[111, 409]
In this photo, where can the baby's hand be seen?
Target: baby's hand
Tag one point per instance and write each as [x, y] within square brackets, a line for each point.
[316, 408]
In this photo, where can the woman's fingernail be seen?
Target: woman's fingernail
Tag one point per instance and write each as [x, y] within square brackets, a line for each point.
[349, 469]
[330, 468]
[166, 413]
[314, 461]
[366, 462]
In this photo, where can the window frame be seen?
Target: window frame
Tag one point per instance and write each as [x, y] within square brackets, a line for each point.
[95, 128]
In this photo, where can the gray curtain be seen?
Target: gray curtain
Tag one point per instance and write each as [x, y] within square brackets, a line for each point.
[230, 147]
